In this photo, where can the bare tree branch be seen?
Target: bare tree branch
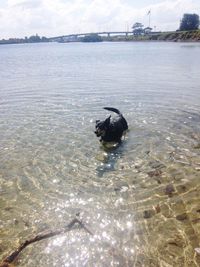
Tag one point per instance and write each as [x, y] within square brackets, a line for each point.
[8, 261]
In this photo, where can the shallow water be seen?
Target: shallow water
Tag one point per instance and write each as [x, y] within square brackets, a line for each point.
[142, 200]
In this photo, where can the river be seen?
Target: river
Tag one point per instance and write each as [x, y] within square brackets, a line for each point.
[141, 201]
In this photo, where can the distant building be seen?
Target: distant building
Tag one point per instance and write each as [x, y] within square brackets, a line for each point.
[147, 30]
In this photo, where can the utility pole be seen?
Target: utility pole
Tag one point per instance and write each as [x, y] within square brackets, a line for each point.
[149, 14]
[127, 26]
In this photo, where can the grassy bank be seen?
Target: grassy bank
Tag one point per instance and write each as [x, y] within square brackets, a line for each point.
[184, 36]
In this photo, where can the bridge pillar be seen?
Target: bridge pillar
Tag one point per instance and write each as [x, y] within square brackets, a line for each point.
[108, 34]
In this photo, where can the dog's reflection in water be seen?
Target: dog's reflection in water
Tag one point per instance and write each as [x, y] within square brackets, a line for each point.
[108, 156]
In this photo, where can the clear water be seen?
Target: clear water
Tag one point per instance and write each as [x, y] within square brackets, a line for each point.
[141, 200]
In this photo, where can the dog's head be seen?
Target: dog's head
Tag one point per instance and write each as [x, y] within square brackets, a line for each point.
[101, 127]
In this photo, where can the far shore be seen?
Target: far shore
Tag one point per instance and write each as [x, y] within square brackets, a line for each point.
[176, 36]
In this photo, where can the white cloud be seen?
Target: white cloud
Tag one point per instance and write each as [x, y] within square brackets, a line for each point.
[167, 15]
[19, 18]
[24, 3]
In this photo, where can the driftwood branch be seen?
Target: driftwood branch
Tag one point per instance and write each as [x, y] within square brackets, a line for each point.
[8, 261]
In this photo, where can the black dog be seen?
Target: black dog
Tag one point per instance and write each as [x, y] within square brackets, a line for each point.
[111, 129]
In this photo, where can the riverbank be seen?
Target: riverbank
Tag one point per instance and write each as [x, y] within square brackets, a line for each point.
[26, 40]
[178, 36]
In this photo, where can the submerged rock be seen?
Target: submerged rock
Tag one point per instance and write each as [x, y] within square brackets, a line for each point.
[157, 208]
[154, 173]
[148, 214]
[182, 217]
[155, 164]
[169, 190]
[197, 146]
[177, 241]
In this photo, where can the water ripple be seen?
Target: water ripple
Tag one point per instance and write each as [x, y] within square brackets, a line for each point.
[141, 200]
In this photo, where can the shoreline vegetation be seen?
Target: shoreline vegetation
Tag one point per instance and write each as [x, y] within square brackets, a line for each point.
[26, 40]
[176, 36]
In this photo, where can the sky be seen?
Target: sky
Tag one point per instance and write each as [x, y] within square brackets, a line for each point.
[20, 18]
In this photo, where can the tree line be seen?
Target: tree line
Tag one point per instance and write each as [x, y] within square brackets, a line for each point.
[32, 39]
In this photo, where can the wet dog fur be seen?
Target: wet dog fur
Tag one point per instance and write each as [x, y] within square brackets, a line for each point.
[112, 128]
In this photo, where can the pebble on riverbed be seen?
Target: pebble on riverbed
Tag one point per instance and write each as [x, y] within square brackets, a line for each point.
[182, 217]
[197, 146]
[148, 214]
[154, 173]
[155, 164]
[169, 190]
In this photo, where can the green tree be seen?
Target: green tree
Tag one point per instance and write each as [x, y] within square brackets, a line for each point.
[92, 38]
[44, 39]
[138, 28]
[34, 39]
[189, 22]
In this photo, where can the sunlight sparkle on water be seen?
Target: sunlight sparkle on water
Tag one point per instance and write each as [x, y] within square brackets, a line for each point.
[129, 225]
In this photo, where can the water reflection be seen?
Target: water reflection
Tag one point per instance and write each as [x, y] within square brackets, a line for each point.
[108, 156]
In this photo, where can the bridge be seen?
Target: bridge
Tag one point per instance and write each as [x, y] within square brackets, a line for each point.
[74, 37]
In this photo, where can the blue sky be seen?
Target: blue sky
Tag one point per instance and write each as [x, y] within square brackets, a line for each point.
[20, 18]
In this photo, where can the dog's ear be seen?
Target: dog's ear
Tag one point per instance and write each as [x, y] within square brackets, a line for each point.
[97, 121]
[107, 121]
